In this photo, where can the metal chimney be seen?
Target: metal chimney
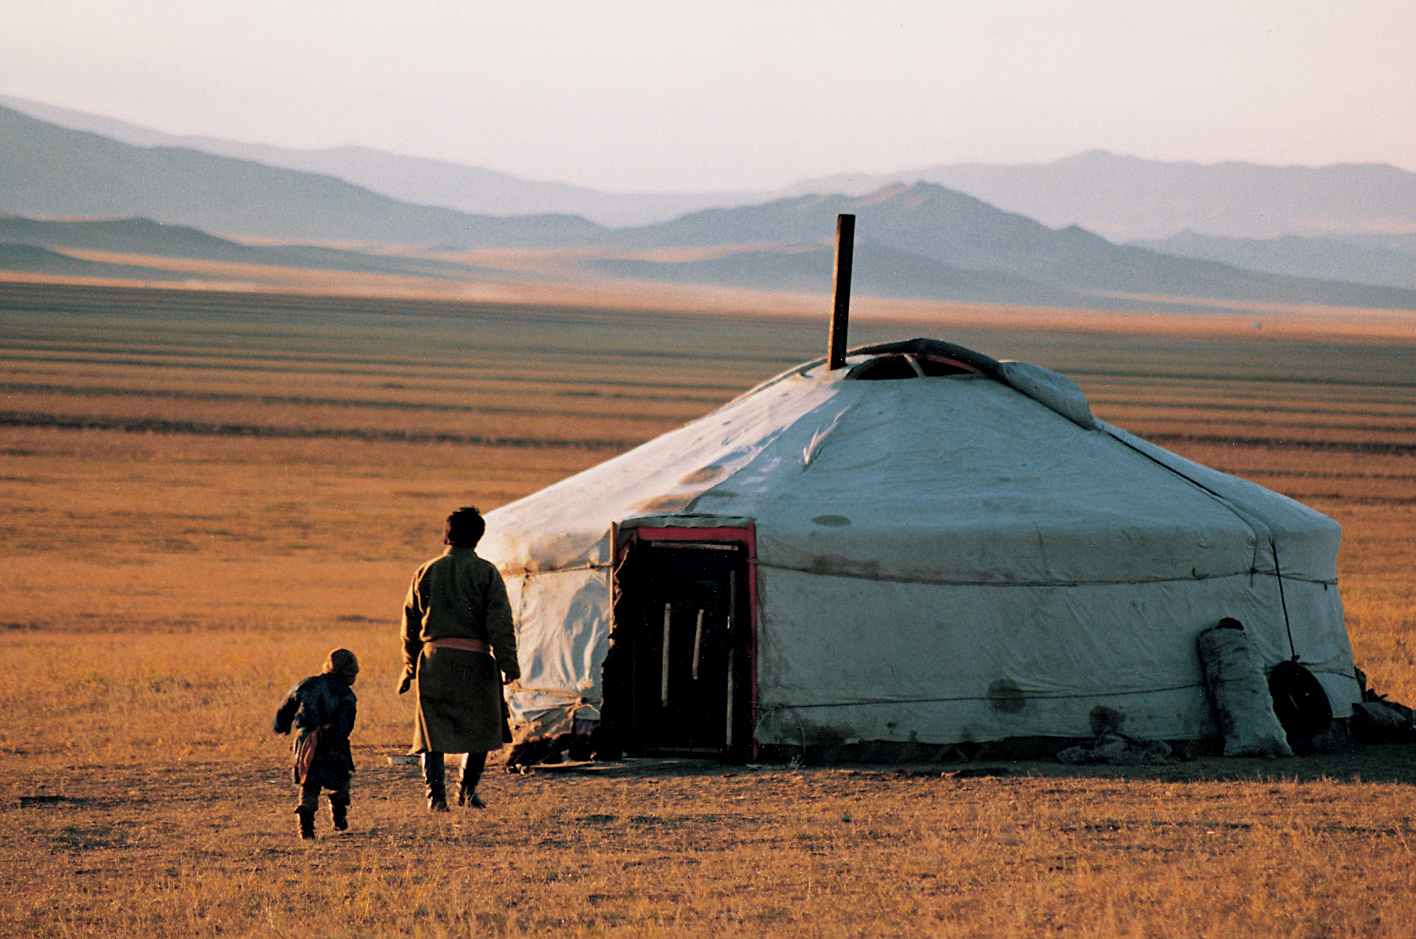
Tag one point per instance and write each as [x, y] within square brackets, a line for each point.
[840, 316]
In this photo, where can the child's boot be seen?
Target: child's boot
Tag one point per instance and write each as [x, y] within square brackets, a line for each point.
[339, 815]
[307, 822]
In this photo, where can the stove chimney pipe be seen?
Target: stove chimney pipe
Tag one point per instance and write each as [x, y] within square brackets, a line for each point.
[840, 316]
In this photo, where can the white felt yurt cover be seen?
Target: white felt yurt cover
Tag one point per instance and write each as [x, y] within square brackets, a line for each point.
[967, 557]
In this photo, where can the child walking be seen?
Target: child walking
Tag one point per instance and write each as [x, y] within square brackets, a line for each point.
[323, 708]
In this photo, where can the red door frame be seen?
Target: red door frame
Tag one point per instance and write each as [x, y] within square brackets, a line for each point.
[734, 534]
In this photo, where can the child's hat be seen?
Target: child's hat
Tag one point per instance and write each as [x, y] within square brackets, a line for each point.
[342, 664]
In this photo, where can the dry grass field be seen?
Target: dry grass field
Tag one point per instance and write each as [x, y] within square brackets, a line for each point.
[205, 492]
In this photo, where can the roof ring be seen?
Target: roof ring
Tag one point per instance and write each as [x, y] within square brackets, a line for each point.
[895, 365]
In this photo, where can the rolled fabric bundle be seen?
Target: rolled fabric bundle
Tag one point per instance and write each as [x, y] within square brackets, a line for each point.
[1239, 694]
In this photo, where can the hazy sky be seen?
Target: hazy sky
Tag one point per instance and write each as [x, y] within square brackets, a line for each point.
[688, 95]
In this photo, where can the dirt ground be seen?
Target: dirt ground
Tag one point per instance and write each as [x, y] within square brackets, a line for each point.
[208, 846]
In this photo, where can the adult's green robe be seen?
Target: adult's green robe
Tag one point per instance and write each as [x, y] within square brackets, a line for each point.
[458, 596]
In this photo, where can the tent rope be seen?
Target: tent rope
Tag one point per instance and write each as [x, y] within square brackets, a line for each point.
[761, 709]
[1118, 435]
[1090, 695]
[1009, 584]
[1273, 546]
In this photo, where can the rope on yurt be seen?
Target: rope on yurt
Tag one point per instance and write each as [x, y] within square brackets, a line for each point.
[1176, 472]
[763, 709]
[1278, 572]
[1273, 545]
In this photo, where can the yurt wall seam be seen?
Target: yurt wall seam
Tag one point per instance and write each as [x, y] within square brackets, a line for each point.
[942, 582]
[527, 572]
[952, 699]
[1267, 533]
[1253, 525]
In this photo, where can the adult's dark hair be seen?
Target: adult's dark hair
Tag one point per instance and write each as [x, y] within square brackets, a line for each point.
[464, 527]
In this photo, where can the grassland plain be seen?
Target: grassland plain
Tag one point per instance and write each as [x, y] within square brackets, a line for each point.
[203, 492]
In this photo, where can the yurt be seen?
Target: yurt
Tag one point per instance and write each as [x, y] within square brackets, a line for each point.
[921, 545]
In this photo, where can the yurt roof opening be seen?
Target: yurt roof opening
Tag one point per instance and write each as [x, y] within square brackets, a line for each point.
[898, 548]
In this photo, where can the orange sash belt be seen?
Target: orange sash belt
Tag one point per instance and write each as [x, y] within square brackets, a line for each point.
[457, 642]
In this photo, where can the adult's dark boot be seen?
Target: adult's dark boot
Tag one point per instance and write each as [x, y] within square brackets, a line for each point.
[339, 815]
[467, 794]
[471, 774]
[434, 780]
[307, 822]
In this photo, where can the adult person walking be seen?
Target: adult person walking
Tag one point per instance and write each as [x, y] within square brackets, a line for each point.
[460, 645]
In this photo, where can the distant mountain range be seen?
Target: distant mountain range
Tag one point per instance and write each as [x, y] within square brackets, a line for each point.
[1120, 198]
[916, 240]
[144, 237]
[1127, 198]
[416, 180]
[1385, 260]
[48, 171]
[32, 259]
[926, 239]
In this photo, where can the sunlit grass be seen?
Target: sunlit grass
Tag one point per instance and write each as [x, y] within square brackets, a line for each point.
[164, 589]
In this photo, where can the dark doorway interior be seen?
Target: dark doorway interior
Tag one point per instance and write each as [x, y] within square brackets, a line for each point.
[678, 680]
